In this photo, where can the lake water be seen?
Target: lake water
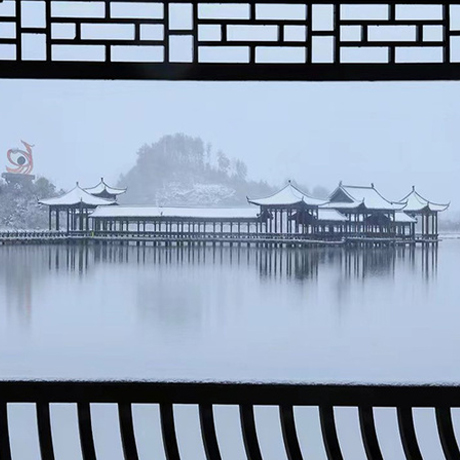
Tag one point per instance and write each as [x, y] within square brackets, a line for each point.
[316, 315]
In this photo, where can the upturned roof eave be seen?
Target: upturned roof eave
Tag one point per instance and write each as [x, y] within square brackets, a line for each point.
[91, 201]
[424, 203]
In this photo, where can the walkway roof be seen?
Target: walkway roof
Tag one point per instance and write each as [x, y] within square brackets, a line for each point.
[146, 212]
[288, 195]
[417, 203]
[76, 196]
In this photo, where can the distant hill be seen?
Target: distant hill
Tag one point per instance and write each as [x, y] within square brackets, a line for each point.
[180, 170]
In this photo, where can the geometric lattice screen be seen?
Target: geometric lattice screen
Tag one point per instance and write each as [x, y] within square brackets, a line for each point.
[229, 40]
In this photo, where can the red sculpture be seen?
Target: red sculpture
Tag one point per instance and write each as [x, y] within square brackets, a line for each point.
[22, 160]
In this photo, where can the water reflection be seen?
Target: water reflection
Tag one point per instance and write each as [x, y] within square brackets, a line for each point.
[23, 267]
[271, 263]
[153, 312]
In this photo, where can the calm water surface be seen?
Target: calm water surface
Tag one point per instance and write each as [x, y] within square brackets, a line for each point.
[230, 313]
[381, 315]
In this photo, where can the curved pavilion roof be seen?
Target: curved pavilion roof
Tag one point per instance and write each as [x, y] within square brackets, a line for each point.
[102, 189]
[76, 196]
[288, 195]
[417, 203]
[352, 196]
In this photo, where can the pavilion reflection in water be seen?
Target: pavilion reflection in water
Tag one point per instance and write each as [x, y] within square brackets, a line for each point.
[269, 262]
[24, 268]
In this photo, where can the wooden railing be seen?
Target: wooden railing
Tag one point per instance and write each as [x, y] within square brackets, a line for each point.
[246, 396]
[34, 235]
[242, 235]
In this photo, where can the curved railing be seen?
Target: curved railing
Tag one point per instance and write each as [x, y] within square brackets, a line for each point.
[246, 396]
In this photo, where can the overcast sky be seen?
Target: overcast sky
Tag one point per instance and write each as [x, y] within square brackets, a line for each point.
[392, 134]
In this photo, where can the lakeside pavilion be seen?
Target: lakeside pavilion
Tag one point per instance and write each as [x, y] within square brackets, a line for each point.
[350, 211]
[370, 213]
[427, 211]
[282, 206]
[77, 204]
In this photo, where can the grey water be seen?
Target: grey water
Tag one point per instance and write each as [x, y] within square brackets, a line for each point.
[221, 313]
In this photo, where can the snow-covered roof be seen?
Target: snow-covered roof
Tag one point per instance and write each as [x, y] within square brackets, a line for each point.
[76, 196]
[288, 195]
[103, 188]
[370, 197]
[143, 212]
[331, 215]
[416, 202]
[341, 205]
[403, 218]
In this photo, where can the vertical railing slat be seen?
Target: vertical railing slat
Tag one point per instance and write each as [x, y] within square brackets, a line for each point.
[128, 439]
[329, 432]
[446, 433]
[248, 427]
[44, 431]
[368, 433]
[407, 433]
[208, 432]
[5, 448]
[168, 431]
[291, 441]
[86, 431]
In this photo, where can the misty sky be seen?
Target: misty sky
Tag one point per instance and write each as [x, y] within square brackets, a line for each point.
[392, 134]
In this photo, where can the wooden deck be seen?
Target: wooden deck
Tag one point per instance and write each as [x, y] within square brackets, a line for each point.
[202, 239]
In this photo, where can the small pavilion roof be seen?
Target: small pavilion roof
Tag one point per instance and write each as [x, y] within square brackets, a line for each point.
[403, 218]
[288, 195]
[331, 215]
[416, 203]
[352, 196]
[76, 196]
[103, 188]
[143, 212]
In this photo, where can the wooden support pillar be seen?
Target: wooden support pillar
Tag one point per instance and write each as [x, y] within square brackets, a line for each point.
[49, 218]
